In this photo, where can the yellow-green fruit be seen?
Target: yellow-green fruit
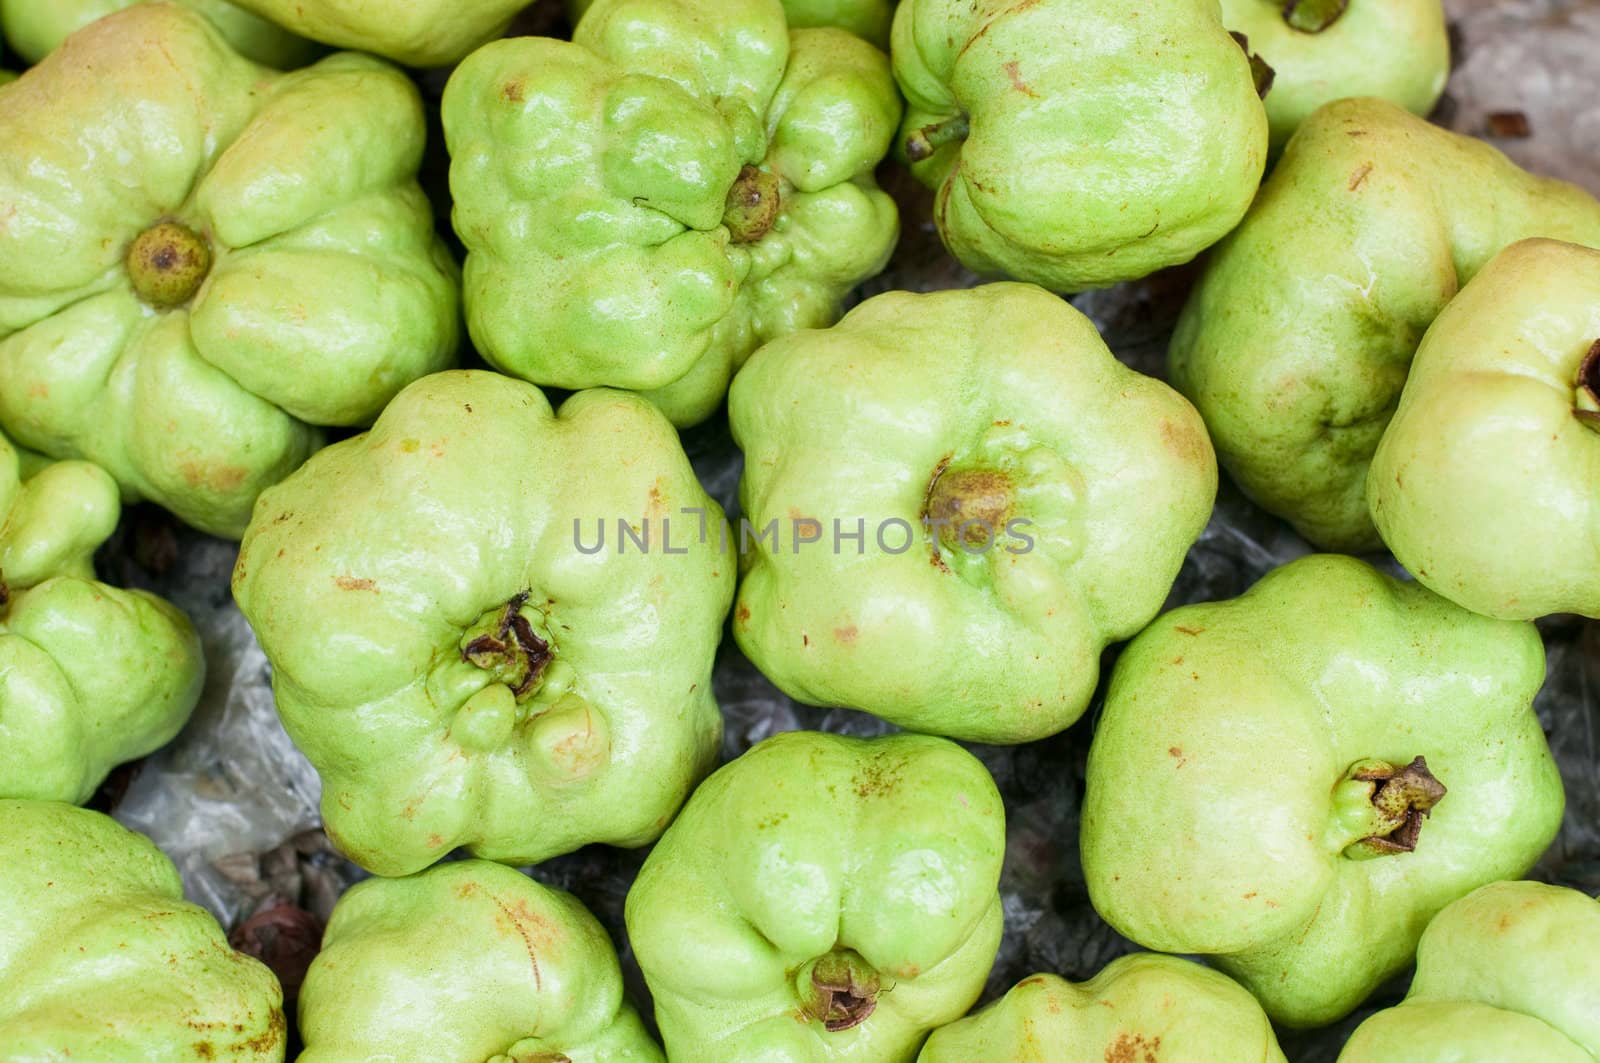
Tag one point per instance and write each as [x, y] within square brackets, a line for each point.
[646, 205]
[203, 259]
[868, 19]
[823, 899]
[90, 676]
[414, 32]
[1326, 50]
[102, 960]
[1509, 972]
[1296, 343]
[953, 503]
[1487, 483]
[1139, 1008]
[35, 28]
[492, 624]
[1295, 781]
[484, 964]
[1077, 143]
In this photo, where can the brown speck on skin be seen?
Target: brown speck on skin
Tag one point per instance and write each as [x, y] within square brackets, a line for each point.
[351, 583]
[846, 634]
[1182, 630]
[742, 614]
[512, 91]
[1359, 177]
[1013, 71]
[520, 925]
[1509, 125]
[1133, 1048]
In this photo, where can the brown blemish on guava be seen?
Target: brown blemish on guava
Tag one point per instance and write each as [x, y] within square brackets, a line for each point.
[1181, 629]
[878, 777]
[351, 583]
[1359, 176]
[1013, 71]
[520, 918]
[846, 634]
[1133, 1048]
[219, 479]
[271, 1037]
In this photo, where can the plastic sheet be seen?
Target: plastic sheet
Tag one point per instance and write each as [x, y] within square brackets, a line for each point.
[235, 804]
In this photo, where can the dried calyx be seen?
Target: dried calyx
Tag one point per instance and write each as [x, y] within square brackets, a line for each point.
[839, 990]
[1586, 406]
[1398, 800]
[167, 264]
[922, 143]
[753, 205]
[1313, 16]
[507, 646]
[1260, 71]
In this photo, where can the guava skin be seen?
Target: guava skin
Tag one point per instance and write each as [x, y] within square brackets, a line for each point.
[1076, 144]
[1001, 542]
[480, 673]
[1296, 342]
[823, 899]
[1510, 971]
[1326, 50]
[206, 259]
[90, 676]
[1144, 1006]
[867, 19]
[103, 960]
[1484, 484]
[35, 29]
[647, 204]
[423, 33]
[483, 962]
[1295, 781]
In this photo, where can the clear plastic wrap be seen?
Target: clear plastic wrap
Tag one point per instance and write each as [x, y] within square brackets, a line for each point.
[235, 804]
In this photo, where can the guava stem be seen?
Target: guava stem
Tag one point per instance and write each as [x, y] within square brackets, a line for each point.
[753, 204]
[167, 263]
[1398, 800]
[839, 990]
[922, 143]
[1586, 406]
[1313, 16]
[1261, 73]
